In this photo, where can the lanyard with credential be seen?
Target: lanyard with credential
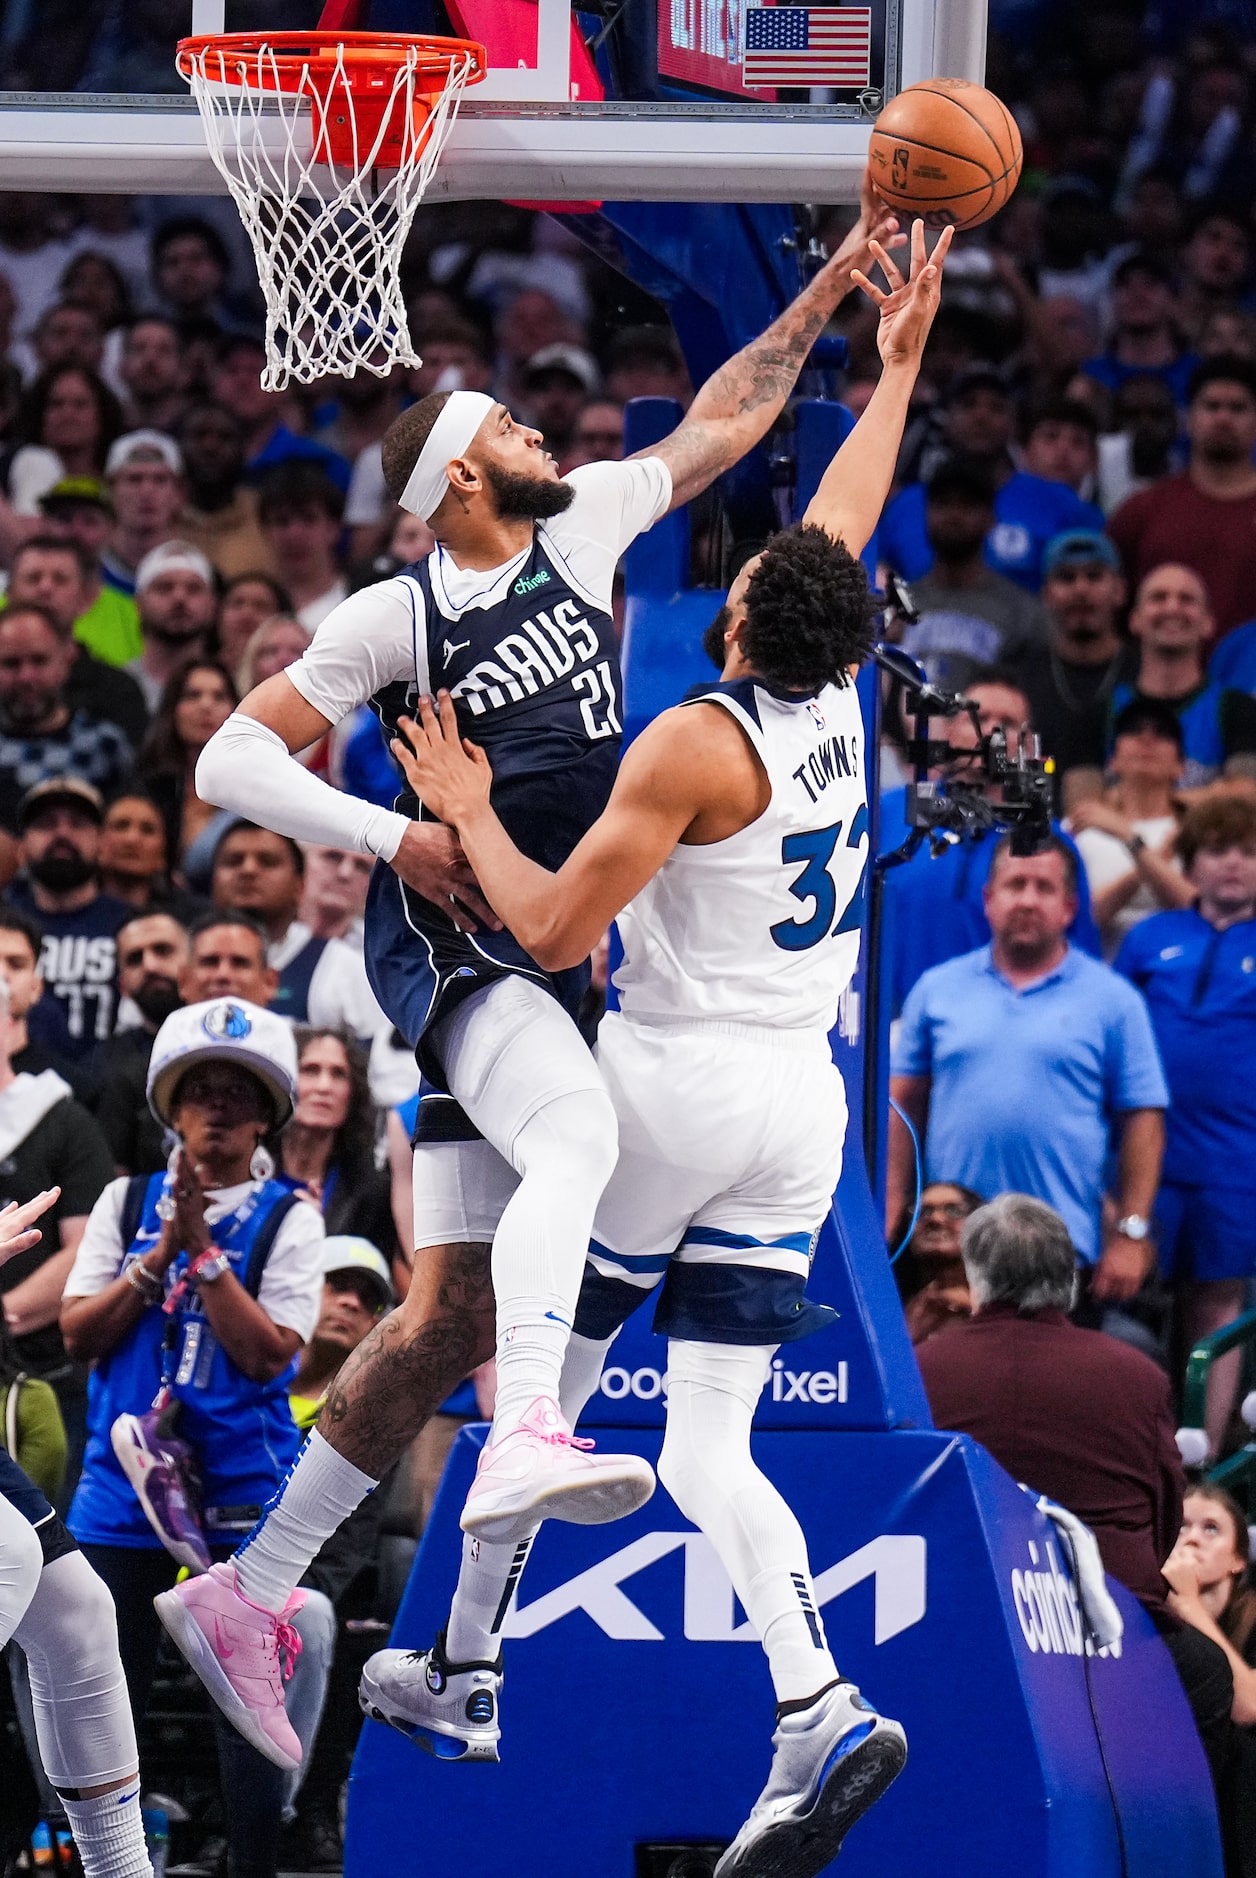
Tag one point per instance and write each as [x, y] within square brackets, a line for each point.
[188, 1345]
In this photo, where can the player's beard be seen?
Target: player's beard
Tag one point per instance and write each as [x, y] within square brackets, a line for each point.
[713, 639]
[526, 498]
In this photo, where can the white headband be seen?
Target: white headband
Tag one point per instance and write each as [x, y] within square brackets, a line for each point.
[460, 418]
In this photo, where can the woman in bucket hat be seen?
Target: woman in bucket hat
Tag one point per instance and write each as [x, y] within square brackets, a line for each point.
[193, 1292]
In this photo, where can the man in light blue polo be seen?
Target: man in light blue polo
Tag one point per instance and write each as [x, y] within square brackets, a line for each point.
[1023, 1064]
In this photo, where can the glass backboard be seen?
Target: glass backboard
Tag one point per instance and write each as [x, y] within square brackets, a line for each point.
[661, 100]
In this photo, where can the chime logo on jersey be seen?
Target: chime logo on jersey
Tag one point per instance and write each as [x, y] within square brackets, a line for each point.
[528, 659]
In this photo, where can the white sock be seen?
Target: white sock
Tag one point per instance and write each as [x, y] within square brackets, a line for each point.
[315, 1500]
[706, 1466]
[565, 1154]
[490, 1574]
[486, 1584]
[109, 1833]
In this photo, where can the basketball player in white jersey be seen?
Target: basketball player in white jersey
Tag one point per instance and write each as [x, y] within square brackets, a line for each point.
[516, 1136]
[733, 853]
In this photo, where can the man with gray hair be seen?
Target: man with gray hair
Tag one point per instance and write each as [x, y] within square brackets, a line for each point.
[1017, 1251]
[1072, 1414]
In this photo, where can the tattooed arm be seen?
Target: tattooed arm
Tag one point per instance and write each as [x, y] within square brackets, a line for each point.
[740, 402]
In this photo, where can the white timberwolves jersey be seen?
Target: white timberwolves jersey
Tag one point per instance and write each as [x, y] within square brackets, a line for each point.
[763, 928]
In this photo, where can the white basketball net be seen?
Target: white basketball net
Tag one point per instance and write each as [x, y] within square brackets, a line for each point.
[327, 239]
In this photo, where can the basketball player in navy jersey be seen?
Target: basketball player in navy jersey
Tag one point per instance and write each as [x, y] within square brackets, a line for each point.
[732, 852]
[516, 1135]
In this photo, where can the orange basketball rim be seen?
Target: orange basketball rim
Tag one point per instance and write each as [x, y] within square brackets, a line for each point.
[370, 92]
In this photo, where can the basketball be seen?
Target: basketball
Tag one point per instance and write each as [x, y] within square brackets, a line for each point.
[946, 150]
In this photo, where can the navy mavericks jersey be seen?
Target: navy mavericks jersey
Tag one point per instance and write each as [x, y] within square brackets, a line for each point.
[534, 668]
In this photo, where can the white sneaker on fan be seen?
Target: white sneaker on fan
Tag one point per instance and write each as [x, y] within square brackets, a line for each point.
[539, 1470]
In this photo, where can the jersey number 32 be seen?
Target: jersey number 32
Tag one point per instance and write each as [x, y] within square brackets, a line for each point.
[816, 888]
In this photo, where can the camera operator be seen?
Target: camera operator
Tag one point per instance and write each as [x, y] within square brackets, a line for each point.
[936, 902]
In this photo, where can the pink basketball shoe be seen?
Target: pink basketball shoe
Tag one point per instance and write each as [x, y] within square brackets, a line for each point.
[540, 1470]
[242, 1653]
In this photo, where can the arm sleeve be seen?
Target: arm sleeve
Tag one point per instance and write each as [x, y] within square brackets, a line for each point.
[913, 1051]
[246, 763]
[1135, 1077]
[96, 1261]
[292, 1283]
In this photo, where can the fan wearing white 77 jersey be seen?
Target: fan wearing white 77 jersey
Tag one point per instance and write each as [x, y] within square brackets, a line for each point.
[732, 851]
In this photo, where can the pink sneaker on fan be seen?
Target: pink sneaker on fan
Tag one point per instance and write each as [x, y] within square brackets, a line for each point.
[539, 1470]
[242, 1653]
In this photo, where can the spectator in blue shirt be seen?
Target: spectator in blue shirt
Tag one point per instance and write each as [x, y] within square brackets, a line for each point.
[1029, 510]
[1197, 970]
[935, 904]
[1146, 341]
[1171, 623]
[1018, 1065]
[1233, 664]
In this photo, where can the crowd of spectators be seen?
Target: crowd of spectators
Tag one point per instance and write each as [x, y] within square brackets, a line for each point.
[1076, 511]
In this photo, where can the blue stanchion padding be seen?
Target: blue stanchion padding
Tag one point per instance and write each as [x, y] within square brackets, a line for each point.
[663, 656]
[820, 430]
[637, 1707]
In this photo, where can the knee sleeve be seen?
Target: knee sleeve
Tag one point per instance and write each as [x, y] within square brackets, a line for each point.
[573, 1139]
[82, 1711]
[21, 1562]
[712, 1391]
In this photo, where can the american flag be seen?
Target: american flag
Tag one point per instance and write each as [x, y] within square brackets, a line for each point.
[807, 46]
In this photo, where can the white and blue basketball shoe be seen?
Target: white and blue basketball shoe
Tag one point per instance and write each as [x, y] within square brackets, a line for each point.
[448, 1709]
[831, 1761]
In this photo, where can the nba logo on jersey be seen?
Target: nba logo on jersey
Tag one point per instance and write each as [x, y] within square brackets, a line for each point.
[815, 713]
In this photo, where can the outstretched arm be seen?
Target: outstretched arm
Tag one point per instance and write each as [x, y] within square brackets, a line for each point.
[853, 489]
[740, 402]
[668, 776]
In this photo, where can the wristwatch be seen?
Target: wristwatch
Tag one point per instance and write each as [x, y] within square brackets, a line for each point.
[208, 1266]
[1136, 844]
[1133, 1226]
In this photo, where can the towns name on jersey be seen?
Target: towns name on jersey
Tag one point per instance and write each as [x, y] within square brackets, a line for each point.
[830, 760]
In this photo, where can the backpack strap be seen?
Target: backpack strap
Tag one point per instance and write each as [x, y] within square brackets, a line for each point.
[264, 1243]
[133, 1209]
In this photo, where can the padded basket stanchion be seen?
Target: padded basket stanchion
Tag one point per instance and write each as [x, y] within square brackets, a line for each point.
[327, 143]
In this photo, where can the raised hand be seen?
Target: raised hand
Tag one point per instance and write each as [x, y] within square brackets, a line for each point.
[450, 774]
[907, 310]
[877, 223]
[1181, 1571]
[187, 1229]
[17, 1232]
